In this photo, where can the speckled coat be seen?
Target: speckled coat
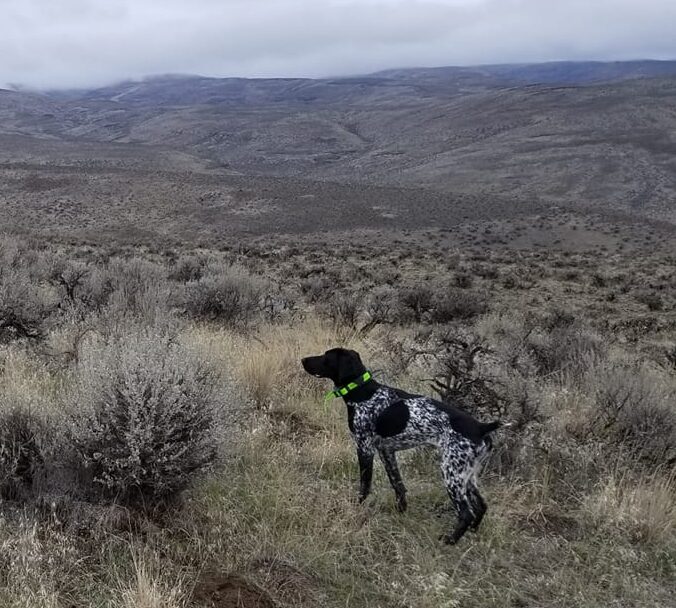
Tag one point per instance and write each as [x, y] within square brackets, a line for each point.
[384, 419]
[391, 420]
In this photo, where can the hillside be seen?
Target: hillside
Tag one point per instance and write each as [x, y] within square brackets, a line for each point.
[551, 132]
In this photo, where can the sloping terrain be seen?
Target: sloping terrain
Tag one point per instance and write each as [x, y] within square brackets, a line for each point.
[444, 145]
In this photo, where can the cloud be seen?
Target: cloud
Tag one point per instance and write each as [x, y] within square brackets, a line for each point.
[94, 42]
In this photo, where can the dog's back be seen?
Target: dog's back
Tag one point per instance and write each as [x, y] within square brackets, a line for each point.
[392, 412]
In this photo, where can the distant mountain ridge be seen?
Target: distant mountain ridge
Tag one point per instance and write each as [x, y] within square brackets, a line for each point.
[554, 72]
[598, 134]
[178, 89]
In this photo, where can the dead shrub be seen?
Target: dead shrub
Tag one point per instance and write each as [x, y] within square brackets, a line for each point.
[69, 276]
[459, 379]
[380, 307]
[20, 450]
[188, 268]
[278, 306]
[344, 309]
[23, 307]
[415, 303]
[468, 375]
[456, 304]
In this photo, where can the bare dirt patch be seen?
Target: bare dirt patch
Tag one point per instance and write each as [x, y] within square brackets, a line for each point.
[218, 590]
[288, 583]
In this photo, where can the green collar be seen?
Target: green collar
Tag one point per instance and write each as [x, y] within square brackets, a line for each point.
[344, 390]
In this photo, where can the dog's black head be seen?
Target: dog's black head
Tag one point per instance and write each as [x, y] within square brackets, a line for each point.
[338, 364]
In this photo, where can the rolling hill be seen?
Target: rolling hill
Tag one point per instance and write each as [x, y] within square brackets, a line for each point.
[589, 137]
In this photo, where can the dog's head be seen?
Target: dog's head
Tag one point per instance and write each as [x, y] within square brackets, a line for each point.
[338, 364]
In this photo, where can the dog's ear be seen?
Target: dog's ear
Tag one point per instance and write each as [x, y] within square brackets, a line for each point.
[349, 365]
[356, 356]
[332, 364]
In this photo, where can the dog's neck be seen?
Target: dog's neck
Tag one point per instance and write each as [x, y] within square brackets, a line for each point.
[363, 392]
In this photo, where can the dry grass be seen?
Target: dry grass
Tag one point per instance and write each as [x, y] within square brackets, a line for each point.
[27, 378]
[297, 496]
[148, 588]
[267, 362]
[31, 564]
[286, 499]
[574, 519]
[644, 509]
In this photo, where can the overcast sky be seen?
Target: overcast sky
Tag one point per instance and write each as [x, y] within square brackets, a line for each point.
[65, 43]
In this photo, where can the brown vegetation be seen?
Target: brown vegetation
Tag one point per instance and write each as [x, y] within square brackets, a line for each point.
[161, 446]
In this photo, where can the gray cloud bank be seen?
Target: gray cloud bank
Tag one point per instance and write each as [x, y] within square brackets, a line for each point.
[84, 43]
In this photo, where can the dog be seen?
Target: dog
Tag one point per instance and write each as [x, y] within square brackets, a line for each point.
[386, 420]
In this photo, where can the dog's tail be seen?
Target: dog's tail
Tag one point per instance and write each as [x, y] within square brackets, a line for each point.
[489, 427]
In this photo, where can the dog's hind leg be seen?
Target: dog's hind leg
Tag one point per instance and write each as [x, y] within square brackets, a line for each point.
[478, 505]
[465, 514]
[389, 460]
[456, 471]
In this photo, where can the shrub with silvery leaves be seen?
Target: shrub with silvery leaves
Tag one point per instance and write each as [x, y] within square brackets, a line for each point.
[146, 417]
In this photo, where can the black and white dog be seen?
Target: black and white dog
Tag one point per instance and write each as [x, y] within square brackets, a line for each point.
[387, 419]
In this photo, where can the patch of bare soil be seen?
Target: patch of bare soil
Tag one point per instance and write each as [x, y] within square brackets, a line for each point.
[219, 590]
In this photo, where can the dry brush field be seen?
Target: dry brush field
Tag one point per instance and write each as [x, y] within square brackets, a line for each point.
[160, 445]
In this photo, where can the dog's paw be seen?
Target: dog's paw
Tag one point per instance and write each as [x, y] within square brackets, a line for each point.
[448, 539]
[401, 504]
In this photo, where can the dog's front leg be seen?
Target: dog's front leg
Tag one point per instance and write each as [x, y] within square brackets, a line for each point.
[389, 460]
[365, 456]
